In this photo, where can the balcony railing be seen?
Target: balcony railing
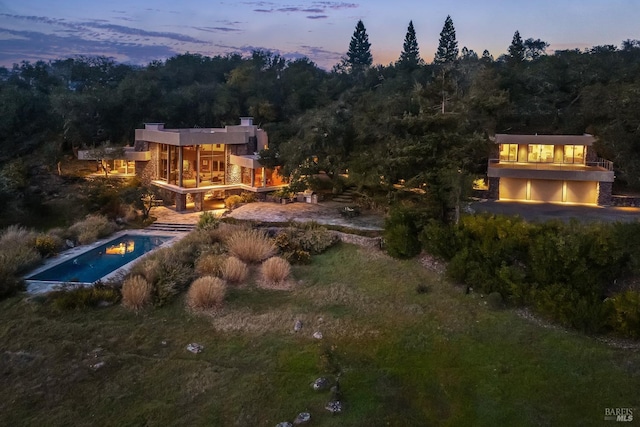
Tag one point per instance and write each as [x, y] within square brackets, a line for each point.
[598, 164]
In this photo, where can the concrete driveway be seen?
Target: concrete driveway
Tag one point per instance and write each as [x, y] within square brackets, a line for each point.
[546, 211]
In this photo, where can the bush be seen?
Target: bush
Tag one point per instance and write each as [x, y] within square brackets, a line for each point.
[206, 293]
[247, 197]
[210, 265]
[83, 297]
[232, 202]
[17, 250]
[275, 270]
[625, 313]
[136, 293]
[314, 239]
[234, 270]
[401, 234]
[495, 301]
[92, 228]
[208, 221]
[297, 256]
[250, 245]
[48, 244]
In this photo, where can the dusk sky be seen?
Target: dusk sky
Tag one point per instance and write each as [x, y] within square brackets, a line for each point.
[139, 31]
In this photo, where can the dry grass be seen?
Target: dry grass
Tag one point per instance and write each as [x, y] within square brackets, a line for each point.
[210, 265]
[206, 293]
[92, 228]
[17, 249]
[275, 271]
[250, 245]
[234, 270]
[136, 293]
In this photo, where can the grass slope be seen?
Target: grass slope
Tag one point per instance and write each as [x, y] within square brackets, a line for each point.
[404, 358]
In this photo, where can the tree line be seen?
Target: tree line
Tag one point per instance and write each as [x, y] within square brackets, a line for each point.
[427, 124]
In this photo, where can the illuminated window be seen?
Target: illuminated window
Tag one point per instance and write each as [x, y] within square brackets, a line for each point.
[573, 154]
[540, 153]
[508, 152]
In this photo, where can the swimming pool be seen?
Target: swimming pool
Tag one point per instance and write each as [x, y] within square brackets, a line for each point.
[96, 263]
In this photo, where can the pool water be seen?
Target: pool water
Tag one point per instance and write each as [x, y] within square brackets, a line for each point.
[98, 262]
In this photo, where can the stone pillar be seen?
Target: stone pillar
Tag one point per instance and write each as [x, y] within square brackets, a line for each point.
[604, 193]
[181, 202]
[198, 200]
[494, 188]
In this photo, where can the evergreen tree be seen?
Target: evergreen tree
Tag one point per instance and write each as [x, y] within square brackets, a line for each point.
[448, 46]
[359, 54]
[516, 50]
[410, 56]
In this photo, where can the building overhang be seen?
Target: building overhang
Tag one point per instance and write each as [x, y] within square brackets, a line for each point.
[585, 173]
[247, 161]
[586, 139]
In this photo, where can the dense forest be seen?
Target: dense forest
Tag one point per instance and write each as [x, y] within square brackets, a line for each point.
[428, 124]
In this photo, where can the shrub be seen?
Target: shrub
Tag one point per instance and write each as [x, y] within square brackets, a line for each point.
[92, 228]
[206, 292]
[234, 270]
[495, 301]
[275, 270]
[48, 244]
[625, 313]
[210, 265]
[232, 202]
[314, 239]
[136, 293]
[297, 256]
[247, 197]
[401, 234]
[82, 297]
[208, 221]
[17, 252]
[250, 245]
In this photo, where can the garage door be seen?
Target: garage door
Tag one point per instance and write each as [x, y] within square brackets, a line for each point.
[544, 190]
[582, 192]
[513, 189]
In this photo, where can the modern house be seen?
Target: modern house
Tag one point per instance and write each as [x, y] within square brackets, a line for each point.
[189, 165]
[549, 168]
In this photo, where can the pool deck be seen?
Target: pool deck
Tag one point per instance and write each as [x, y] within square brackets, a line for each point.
[42, 286]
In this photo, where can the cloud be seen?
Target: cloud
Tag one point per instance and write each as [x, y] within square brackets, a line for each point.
[217, 29]
[34, 46]
[315, 7]
[317, 17]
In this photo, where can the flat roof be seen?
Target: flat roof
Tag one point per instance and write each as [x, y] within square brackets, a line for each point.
[586, 139]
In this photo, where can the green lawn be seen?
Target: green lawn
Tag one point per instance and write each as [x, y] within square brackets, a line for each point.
[405, 358]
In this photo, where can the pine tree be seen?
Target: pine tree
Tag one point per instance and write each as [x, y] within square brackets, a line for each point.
[359, 54]
[410, 56]
[516, 50]
[448, 46]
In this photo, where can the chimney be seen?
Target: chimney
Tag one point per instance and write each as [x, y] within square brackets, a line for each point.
[246, 121]
[154, 126]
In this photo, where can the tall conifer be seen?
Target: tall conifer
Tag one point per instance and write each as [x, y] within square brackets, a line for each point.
[448, 47]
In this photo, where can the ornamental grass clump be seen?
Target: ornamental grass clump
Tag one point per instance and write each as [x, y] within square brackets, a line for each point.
[136, 293]
[275, 271]
[250, 245]
[210, 265]
[206, 293]
[234, 270]
[92, 228]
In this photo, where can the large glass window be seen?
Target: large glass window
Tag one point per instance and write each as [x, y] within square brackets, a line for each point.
[212, 164]
[540, 153]
[574, 154]
[164, 162]
[174, 155]
[508, 152]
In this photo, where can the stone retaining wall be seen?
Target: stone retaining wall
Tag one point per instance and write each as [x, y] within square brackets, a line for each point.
[625, 201]
[368, 242]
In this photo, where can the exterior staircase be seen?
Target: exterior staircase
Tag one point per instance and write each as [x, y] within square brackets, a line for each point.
[168, 226]
[346, 196]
